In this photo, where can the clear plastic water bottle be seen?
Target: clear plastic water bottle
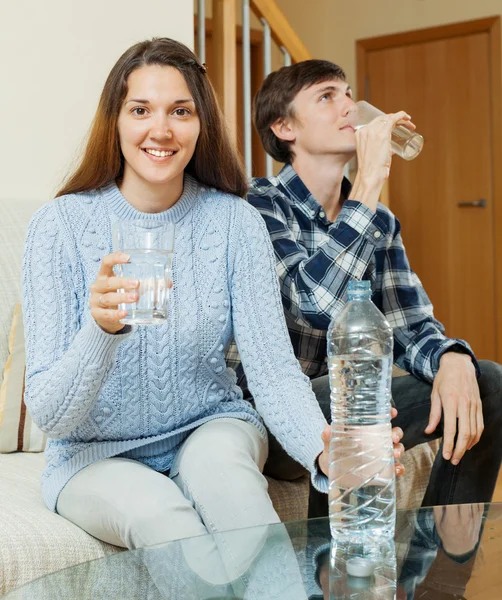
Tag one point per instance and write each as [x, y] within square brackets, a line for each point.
[357, 578]
[361, 468]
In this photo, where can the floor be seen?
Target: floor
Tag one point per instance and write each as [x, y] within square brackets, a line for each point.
[497, 496]
[486, 580]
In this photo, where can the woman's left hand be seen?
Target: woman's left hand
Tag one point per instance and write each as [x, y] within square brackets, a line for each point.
[397, 434]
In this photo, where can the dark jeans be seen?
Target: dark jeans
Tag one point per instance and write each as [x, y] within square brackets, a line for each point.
[472, 480]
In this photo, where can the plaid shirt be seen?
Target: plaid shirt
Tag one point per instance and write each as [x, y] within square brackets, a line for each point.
[316, 259]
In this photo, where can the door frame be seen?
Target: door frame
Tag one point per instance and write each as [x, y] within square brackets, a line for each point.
[491, 26]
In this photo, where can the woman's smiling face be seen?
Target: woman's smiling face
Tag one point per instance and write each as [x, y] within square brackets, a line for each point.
[158, 126]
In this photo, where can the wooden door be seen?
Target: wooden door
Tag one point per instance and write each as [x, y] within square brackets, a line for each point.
[445, 85]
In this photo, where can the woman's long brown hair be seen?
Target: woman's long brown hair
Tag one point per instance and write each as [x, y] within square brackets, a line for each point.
[215, 162]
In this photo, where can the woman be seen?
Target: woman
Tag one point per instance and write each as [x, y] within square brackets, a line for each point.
[150, 439]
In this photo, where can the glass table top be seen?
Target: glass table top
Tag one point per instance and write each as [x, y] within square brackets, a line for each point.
[440, 553]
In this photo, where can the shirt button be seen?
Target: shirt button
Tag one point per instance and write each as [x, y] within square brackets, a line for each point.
[322, 214]
[377, 234]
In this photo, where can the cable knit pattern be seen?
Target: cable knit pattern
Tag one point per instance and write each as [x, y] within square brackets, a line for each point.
[141, 392]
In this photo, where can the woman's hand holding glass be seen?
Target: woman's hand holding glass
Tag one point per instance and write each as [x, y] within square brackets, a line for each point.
[108, 291]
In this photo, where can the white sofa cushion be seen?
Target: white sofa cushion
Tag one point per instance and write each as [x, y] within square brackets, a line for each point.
[33, 540]
[14, 218]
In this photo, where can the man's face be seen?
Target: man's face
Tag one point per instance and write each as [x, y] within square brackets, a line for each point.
[323, 122]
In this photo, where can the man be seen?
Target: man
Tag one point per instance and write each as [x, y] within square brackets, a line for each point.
[326, 232]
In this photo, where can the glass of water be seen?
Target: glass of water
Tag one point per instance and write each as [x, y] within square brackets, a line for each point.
[404, 142]
[150, 245]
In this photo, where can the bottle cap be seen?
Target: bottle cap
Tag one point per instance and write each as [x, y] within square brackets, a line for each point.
[359, 286]
[356, 289]
[360, 567]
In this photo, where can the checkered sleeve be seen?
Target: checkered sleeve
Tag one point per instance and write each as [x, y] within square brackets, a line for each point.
[314, 286]
[419, 338]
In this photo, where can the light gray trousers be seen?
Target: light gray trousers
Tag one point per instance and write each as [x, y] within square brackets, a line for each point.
[218, 487]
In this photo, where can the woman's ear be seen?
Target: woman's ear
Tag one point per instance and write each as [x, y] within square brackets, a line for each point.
[282, 129]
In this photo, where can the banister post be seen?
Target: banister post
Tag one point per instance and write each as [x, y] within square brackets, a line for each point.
[225, 58]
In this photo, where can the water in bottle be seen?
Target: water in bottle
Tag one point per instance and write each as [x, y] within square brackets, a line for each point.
[361, 467]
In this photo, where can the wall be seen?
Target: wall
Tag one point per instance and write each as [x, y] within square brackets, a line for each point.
[330, 28]
[54, 58]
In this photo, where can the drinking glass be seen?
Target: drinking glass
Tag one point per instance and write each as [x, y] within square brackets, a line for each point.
[405, 143]
[150, 245]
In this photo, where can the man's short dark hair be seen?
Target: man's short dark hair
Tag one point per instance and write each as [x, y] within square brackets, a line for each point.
[274, 100]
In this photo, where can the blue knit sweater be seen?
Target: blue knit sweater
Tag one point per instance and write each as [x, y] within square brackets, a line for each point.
[139, 394]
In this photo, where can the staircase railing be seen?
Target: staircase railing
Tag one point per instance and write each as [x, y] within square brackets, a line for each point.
[276, 29]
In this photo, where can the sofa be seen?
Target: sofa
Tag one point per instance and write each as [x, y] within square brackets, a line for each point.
[33, 540]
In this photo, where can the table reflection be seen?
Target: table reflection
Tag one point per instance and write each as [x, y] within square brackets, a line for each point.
[431, 558]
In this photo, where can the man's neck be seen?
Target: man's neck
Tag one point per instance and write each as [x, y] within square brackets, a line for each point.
[323, 178]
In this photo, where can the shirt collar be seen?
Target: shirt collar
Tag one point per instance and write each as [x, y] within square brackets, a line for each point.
[297, 191]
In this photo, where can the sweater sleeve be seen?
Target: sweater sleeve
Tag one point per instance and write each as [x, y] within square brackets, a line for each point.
[66, 363]
[282, 393]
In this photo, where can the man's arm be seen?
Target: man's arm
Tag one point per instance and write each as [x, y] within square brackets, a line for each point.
[421, 347]
[419, 338]
[314, 287]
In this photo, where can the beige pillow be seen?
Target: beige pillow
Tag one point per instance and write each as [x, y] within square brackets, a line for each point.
[18, 433]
